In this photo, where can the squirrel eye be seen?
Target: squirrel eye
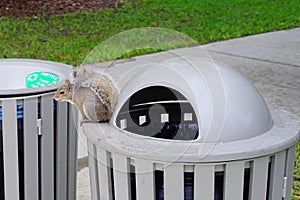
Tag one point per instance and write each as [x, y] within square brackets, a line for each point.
[62, 92]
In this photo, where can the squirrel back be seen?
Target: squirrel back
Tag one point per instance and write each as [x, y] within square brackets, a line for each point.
[92, 93]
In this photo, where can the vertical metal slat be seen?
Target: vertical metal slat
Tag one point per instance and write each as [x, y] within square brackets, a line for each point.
[10, 149]
[144, 171]
[61, 151]
[72, 151]
[204, 182]
[277, 174]
[31, 155]
[47, 148]
[234, 181]
[259, 178]
[289, 171]
[174, 182]
[104, 174]
[93, 171]
[121, 177]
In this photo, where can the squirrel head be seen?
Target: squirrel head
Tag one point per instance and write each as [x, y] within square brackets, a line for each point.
[64, 93]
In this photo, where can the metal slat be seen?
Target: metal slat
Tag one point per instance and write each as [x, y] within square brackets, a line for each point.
[144, 171]
[104, 174]
[204, 182]
[259, 178]
[276, 177]
[121, 177]
[31, 154]
[289, 171]
[47, 148]
[61, 151]
[93, 171]
[10, 149]
[234, 181]
[72, 151]
[174, 182]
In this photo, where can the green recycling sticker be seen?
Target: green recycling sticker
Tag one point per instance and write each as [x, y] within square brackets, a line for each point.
[40, 79]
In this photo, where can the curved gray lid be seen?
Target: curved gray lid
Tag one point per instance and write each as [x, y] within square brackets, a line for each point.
[14, 71]
[227, 105]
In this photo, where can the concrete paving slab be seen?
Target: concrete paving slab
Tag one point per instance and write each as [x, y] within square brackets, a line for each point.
[271, 61]
[83, 185]
[83, 180]
[280, 86]
[281, 47]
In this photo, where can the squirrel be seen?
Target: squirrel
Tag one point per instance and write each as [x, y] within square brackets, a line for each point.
[93, 94]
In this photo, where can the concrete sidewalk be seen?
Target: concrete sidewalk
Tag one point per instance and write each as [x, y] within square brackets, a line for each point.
[271, 61]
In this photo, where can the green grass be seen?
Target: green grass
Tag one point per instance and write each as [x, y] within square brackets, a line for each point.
[69, 38]
[296, 191]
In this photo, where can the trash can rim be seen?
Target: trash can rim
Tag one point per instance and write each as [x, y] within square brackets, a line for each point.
[283, 134]
[60, 67]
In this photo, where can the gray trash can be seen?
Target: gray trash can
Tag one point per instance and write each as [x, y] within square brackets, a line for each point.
[188, 128]
[37, 135]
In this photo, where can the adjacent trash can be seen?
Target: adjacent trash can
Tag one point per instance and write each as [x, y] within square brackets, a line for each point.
[189, 128]
[38, 138]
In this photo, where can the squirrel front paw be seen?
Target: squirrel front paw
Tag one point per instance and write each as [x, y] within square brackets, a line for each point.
[90, 121]
[85, 121]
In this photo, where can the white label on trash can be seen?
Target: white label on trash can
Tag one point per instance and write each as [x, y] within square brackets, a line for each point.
[40, 79]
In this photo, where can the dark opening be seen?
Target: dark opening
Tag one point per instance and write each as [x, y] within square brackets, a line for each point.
[20, 150]
[55, 143]
[132, 182]
[159, 184]
[189, 186]
[152, 104]
[40, 167]
[246, 183]
[153, 94]
[219, 185]
[112, 178]
[269, 177]
[39, 155]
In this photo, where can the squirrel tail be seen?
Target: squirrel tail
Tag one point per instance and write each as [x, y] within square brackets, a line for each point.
[83, 71]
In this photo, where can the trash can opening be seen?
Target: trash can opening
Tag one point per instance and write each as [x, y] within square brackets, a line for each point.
[160, 112]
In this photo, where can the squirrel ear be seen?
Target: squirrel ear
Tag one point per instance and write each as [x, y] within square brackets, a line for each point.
[68, 85]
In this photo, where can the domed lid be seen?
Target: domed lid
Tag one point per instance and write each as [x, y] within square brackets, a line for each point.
[227, 106]
[180, 106]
